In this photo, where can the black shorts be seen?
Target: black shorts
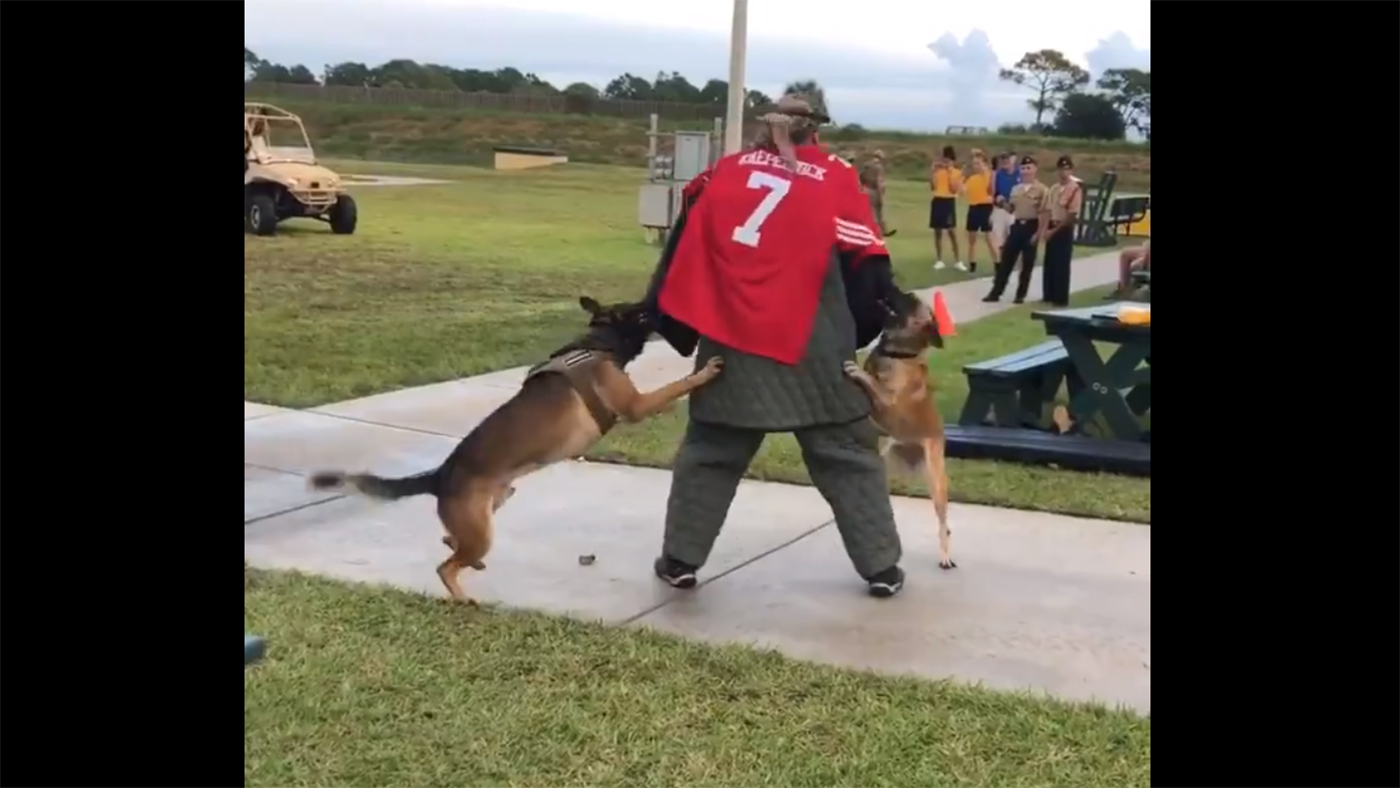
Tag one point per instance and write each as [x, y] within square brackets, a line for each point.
[979, 218]
[942, 213]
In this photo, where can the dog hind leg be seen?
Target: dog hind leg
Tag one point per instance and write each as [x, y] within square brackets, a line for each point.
[469, 528]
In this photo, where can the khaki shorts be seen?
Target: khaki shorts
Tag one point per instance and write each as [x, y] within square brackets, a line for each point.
[1001, 225]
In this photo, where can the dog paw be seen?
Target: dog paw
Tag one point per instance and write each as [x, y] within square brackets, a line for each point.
[712, 368]
[852, 369]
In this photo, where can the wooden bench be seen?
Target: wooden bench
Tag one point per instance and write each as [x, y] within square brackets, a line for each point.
[253, 649]
[1015, 388]
[1035, 447]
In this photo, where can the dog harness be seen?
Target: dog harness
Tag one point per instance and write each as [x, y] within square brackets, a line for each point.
[578, 366]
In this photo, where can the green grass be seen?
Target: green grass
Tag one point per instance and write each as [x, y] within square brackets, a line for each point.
[400, 132]
[1109, 496]
[368, 686]
[445, 281]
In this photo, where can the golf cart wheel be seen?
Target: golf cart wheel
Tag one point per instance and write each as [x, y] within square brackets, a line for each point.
[261, 215]
[344, 215]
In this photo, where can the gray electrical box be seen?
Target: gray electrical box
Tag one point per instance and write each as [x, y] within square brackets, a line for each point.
[692, 152]
[692, 155]
[655, 206]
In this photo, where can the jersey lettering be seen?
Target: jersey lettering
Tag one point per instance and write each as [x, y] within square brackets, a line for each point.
[749, 233]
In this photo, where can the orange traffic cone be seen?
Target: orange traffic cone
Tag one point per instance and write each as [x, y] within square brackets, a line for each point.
[940, 313]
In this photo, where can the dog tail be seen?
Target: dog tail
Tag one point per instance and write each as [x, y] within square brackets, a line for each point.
[376, 486]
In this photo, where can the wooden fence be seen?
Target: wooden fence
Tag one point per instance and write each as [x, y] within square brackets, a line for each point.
[557, 103]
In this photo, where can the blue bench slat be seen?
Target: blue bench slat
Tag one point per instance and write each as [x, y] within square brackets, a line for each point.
[1020, 362]
[1075, 452]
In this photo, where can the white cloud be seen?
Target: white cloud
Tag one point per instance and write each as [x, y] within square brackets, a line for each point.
[875, 62]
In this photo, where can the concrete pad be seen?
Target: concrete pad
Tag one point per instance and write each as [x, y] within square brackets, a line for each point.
[451, 408]
[253, 410]
[302, 442]
[267, 492]
[1039, 601]
[614, 513]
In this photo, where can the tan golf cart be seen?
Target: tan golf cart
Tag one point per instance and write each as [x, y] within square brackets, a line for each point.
[281, 178]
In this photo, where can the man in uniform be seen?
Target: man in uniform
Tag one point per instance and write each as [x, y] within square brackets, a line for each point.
[1066, 199]
[872, 179]
[1029, 213]
[777, 267]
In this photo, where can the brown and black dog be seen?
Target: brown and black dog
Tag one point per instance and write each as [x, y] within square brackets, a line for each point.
[896, 378]
[564, 406]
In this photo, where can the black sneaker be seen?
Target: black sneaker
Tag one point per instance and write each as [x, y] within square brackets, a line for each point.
[887, 583]
[675, 573]
[991, 299]
[972, 267]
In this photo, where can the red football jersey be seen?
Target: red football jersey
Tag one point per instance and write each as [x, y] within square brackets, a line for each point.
[748, 268]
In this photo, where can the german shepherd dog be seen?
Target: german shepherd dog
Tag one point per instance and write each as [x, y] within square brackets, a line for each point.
[895, 376]
[564, 407]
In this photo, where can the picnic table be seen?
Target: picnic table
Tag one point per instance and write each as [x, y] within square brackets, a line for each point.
[1113, 387]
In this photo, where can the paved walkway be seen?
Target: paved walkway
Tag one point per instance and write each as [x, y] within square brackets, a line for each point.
[1040, 601]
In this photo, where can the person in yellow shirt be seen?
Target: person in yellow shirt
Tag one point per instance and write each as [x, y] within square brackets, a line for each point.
[978, 188]
[946, 181]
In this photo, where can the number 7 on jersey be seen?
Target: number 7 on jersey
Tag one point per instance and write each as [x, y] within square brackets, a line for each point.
[749, 233]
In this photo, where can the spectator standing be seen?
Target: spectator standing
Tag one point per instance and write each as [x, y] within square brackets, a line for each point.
[872, 181]
[1003, 181]
[1029, 213]
[946, 181]
[979, 189]
[1066, 199]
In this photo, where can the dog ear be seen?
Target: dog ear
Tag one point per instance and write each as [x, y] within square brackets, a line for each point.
[935, 337]
[589, 305]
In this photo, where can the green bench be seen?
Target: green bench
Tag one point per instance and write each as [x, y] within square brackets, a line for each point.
[1037, 447]
[1103, 215]
[1014, 389]
[253, 649]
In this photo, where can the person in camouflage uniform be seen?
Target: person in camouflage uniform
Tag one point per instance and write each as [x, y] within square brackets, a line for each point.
[757, 395]
[872, 179]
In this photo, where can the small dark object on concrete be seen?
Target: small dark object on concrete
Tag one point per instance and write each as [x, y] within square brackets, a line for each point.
[253, 649]
[587, 560]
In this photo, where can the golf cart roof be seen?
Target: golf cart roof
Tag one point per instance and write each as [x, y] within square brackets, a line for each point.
[261, 110]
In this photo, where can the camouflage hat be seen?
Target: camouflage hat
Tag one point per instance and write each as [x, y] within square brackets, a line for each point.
[794, 105]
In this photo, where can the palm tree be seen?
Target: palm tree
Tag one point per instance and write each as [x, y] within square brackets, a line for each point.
[813, 91]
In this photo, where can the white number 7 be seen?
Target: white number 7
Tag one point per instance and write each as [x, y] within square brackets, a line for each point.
[748, 233]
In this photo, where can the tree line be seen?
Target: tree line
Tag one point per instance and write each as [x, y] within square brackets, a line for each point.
[1122, 101]
[409, 74]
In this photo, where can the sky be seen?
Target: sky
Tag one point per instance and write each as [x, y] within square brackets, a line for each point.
[893, 64]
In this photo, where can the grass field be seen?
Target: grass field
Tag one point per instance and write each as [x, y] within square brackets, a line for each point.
[373, 687]
[442, 282]
[434, 135]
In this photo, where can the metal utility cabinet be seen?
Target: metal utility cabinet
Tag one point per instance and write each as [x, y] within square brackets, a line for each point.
[692, 152]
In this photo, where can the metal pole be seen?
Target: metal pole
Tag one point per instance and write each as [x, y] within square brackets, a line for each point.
[651, 148]
[738, 43]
